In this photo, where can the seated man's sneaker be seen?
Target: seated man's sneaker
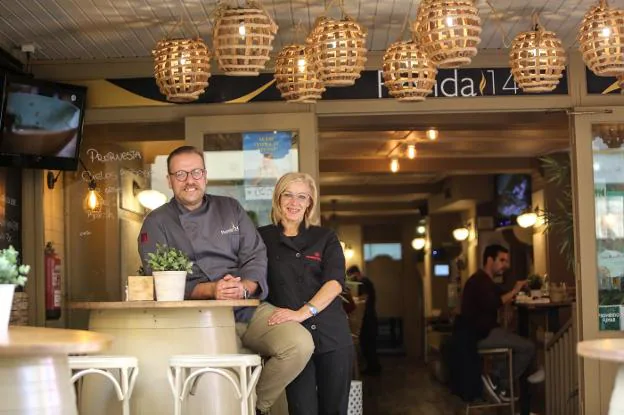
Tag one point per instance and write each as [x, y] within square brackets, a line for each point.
[505, 396]
[537, 377]
[490, 389]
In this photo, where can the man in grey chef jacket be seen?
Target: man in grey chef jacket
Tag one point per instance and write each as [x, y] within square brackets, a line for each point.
[229, 262]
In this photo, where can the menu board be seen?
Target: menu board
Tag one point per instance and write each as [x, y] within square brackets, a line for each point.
[10, 208]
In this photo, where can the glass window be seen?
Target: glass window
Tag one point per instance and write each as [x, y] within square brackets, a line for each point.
[246, 166]
[371, 251]
[608, 159]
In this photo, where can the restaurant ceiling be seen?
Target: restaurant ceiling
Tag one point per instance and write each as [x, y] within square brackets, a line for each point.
[106, 29]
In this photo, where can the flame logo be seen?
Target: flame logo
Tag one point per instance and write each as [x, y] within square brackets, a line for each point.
[615, 86]
[483, 83]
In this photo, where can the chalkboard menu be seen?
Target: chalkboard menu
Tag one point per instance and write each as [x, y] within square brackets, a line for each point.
[11, 208]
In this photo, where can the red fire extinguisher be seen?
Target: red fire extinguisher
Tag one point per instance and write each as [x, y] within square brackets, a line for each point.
[52, 283]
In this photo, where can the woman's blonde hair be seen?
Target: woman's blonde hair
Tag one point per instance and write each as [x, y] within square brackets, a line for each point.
[280, 187]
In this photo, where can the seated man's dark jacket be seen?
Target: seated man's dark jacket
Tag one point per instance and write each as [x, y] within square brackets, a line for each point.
[463, 362]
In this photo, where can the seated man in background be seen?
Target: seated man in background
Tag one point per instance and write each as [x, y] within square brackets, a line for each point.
[229, 262]
[481, 300]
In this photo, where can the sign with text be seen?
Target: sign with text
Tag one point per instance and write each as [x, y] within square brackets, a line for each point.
[610, 317]
[462, 83]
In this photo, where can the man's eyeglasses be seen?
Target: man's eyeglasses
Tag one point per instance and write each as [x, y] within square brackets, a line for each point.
[181, 175]
[299, 197]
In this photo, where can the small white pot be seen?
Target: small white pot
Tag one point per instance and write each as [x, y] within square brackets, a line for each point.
[536, 293]
[6, 303]
[169, 285]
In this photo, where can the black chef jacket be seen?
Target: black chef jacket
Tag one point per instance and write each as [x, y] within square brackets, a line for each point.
[298, 267]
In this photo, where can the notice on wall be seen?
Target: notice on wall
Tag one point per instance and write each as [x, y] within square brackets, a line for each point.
[11, 208]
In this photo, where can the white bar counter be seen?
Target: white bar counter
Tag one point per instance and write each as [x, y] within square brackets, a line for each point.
[34, 373]
[153, 331]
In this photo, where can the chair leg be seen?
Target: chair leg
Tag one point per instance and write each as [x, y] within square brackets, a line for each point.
[177, 400]
[512, 395]
[125, 403]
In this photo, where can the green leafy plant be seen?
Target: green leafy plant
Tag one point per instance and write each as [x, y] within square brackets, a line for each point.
[534, 282]
[10, 271]
[169, 259]
[560, 218]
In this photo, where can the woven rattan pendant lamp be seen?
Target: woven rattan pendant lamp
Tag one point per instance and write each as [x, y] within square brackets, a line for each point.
[601, 39]
[448, 31]
[243, 38]
[181, 68]
[408, 72]
[338, 47]
[296, 75]
[537, 59]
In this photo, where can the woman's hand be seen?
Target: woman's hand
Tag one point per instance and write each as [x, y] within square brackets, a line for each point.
[282, 315]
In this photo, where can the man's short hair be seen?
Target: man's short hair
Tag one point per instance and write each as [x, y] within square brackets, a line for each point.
[184, 150]
[353, 269]
[492, 251]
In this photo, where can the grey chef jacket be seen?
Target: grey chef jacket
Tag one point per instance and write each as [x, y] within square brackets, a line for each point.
[218, 237]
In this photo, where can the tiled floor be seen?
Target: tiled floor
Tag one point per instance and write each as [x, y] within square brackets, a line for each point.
[406, 388]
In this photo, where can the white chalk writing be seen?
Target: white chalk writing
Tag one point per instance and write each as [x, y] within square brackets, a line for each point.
[110, 156]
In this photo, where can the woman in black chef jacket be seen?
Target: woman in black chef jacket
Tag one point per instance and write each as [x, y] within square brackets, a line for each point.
[306, 274]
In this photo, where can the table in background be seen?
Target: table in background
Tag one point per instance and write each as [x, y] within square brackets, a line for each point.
[549, 310]
[611, 350]
[153, 331]
[34, 373]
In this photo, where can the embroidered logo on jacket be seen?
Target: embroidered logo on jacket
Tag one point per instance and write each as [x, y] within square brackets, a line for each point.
[232, 229]
[315, 256]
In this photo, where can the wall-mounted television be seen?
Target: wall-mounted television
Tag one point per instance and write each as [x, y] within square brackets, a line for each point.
[513, 196]
[41, 124]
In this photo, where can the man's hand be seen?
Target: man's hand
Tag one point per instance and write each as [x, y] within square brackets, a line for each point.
[519, 286]
[229, 288]
[282, 315]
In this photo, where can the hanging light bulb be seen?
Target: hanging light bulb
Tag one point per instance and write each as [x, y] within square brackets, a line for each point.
[93, 201]
[421, 229]
[241, 29]
[394, 165]
[301, 65]
[418, 243]
[432, 134]
[449, 21]
[411, 151]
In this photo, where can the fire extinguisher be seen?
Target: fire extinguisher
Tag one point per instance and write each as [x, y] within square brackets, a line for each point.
[52, 283]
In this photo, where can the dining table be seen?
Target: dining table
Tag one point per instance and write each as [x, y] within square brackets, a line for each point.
[35, 378]
[610, 350]
[153, 331]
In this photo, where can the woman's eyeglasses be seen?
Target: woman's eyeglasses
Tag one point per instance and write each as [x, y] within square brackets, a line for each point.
[181, 175]
[299, 197]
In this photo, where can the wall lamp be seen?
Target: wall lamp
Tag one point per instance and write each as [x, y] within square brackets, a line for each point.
[462, 233]
[418, 243]
[148, 198]
[528, 218]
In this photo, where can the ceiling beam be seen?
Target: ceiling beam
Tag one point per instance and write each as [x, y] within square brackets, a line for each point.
[381, 190]
[386, 206]
[446, 165]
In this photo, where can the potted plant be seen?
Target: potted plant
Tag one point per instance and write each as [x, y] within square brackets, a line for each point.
[169, 268]
[11, 275]
[535, 283]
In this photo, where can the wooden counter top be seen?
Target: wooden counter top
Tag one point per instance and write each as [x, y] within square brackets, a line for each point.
[603, 349]
[120, 305]
[41, 341]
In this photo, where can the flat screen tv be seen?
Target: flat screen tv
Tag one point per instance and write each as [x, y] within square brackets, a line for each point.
[41, 125]
[513, 196]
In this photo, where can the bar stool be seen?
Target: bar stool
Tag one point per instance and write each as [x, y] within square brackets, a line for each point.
[104, 365]
[508, 352]
[242, 370]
